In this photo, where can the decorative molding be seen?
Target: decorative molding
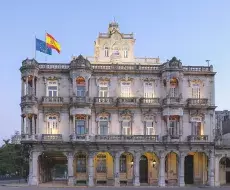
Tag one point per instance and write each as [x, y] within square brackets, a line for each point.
[47, 114]
[125, 114]
[103, 114]
[126, 78]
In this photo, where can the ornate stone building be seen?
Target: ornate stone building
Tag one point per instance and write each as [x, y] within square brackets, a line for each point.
[119, 120]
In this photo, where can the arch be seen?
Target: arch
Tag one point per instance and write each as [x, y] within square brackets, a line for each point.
[171, 167]
[126, 166]
[224, 170]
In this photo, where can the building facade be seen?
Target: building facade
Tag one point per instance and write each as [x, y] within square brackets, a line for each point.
[117, 119]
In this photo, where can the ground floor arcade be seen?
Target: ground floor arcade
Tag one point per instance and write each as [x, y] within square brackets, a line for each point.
[118, 166]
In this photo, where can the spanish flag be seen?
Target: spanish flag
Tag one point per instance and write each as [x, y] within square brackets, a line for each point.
[52, 43]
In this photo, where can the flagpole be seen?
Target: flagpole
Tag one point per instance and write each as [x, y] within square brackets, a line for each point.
[35, 48]
[46, 48]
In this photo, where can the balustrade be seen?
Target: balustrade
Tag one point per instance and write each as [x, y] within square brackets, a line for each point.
[171, 100]
[51, 137]
[197, 138]
[103, 100]
[29, 98]
[129, 101]
[149, 101]
[52, 100]
[197, 102]
[137, 138]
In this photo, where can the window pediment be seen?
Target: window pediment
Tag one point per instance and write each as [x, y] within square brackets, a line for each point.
[52, 114]
[103, 116]
[126, 115]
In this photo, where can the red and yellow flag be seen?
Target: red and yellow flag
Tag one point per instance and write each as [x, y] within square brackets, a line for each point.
[52, 43]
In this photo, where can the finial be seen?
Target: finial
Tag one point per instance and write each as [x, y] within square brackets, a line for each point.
[114, 20]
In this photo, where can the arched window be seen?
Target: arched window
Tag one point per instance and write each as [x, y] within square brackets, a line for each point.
[103, 125]
[173, 87]
[123, 163]
[81, 163]
[80, 124]
[52, 124]
[80, 82]
[106, 50]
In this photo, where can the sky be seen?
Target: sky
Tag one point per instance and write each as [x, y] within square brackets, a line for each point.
[191, 30]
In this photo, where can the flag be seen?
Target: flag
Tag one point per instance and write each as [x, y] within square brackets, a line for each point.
[41, 46]
[52, 43]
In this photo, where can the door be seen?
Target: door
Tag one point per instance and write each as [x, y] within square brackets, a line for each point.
[188, 170]
[143, 164]
[227, 170]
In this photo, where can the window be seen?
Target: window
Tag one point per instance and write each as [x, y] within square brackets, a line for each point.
[81, 163]
[80, 82]
[196, 128]
[101, 163]
[126, 53]
[123, 163]
[125, 89]
[126, 126]
[149, 128]
[103, 126]
[173, 87]
[80, 124]
[52, 89]
[195, 92]
[52, 125]
[106, 52]
[173, 126]
[148, 90]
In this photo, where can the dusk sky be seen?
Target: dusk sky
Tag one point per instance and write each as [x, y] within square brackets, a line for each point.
[193, 31]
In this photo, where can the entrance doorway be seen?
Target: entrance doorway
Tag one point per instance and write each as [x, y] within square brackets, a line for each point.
[143, 164]
[227, 170]
[188, 170]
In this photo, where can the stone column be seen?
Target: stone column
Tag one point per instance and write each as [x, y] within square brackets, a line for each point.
[33, 86]
[22, 87]
[211, 176]
[33, 127]
[70, 169]
[116, 169]
[181, 169]
[74, 132]
[33, 176]
[168, 126]
[161, 171]
[27, 89]
[90, 169]
[136, 169]
[22, 125]
[217, 170]
[181, 127]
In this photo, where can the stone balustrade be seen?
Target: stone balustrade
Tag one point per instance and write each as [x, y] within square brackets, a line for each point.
[197, 102]
[52, 100]
[51, 137]
[197, 138]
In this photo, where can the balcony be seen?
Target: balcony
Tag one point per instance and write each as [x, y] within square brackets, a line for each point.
[79, 138]
[197, 102]
[28, 138]
[126, 138]
[77, 100]
[172, 101]
[127, 102]
[51, 137]
[54, 101]
[197, 138]
[29, 99]
[171, 138]
[105, 101]
[149, 102]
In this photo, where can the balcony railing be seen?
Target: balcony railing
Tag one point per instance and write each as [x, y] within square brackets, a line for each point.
[171, 100]
[197, 138]
[52, 100]
[103, 100]
[51, 137]
[76, 137]
[29, 98]
[166, 138]
[197, 102]
[125, 138]
[80, 100]
[149, 101]
[127, 101]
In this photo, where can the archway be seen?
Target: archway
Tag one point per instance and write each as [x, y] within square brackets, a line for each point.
[196, 168]
[53, 167]
[80, 168]
[224, 168]
[171, 168]
[143, 164]
[126, 168]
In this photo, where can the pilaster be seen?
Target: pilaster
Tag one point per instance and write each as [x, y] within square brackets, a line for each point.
[116, 169]
[70, 169]
[90, 169]
[211, 176]
[161, 177]
[181, 169]
[136, 169]
[33, 168]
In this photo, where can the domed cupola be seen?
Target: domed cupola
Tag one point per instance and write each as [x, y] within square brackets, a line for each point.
[80, 63]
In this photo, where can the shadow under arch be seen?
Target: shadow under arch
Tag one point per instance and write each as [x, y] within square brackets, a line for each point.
[224, 170]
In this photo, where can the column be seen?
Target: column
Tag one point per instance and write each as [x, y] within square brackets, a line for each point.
[22, 125]
[70, 169]
[27, 89]
[90, 169]
[33, 176]
[211, 177]
[168, 126]
[116, 169]
[161, 177]
[181, 169]
[73, 129]
[136, 169]
[33, 127]
[33, 86]
[181, 127]
[22, 87]
[217, 170]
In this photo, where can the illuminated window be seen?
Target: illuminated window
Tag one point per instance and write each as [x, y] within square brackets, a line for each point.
[52, 125]
[125, 53]
[103, 89]
[173, 87]
[80, 83]
[196, 128]
[101, 163]
[80, 125]
[149, 126]
[126, 126]
[125, 89]
[52, 89]
[195, 92]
